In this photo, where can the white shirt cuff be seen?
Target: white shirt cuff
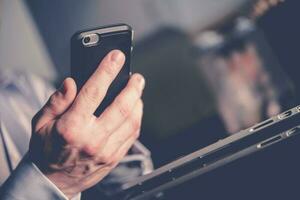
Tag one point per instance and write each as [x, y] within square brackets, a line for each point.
[28, 182]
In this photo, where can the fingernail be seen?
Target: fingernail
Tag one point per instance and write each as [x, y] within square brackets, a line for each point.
[141, 81]
[117, 56]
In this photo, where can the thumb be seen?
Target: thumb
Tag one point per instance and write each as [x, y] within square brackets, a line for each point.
[56, 105]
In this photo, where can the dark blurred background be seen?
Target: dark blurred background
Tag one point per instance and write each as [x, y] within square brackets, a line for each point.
[185, 106]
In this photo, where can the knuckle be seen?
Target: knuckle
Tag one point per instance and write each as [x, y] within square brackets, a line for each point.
[106, 159]
[92, 93]
[61, 127]
[90, 149]
[67, 132]
[109, 69]
[123, 107]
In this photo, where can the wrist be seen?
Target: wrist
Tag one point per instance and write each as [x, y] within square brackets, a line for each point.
[66, 184]
[62, 181]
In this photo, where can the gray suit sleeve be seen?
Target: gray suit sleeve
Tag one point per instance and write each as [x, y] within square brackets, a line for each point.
[27, 182]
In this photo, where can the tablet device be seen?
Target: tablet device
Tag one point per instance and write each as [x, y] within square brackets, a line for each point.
[254, 139]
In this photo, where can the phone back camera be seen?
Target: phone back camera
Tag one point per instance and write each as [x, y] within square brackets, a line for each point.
[90, 40]
[86, 40]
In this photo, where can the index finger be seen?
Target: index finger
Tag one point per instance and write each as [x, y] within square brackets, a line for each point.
[94, 90]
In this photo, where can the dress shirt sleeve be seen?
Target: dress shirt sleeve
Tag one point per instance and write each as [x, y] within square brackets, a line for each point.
[27, 182]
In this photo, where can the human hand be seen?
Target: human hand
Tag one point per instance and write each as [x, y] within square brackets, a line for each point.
[74, 148]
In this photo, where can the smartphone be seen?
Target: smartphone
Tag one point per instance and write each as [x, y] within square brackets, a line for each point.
[89, 47]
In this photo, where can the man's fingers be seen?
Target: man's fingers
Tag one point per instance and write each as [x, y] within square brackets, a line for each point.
[128, 129]
[122, 106]
[94, 90]
[57, 104]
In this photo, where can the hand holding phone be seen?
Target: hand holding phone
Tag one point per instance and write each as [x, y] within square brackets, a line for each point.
[74, 148]
[89, 47]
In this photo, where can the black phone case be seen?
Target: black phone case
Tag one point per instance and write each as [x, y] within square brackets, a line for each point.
[84, 60]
